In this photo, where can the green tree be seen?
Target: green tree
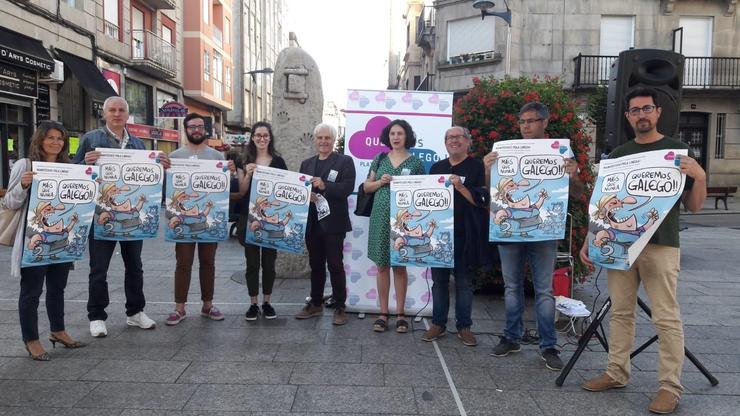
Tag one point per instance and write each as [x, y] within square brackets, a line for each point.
[490, 111]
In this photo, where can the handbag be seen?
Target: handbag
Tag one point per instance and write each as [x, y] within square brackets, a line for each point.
[10, 219]
[364, 205]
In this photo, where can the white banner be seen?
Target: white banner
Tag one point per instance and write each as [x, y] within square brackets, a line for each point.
[368, 112]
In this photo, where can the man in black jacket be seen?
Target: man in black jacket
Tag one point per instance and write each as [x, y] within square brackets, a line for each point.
[328, 222]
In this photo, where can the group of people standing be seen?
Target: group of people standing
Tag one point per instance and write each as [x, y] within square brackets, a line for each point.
[333, 181]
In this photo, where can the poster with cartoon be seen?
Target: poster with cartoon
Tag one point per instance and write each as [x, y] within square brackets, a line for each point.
[130, 195]
[529, 190]
[631, 197]
[278, 209]
[197, 201]
[60, 211]
[422, 222]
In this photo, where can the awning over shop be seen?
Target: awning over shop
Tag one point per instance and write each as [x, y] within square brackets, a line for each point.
[88, 75]
[20, 50]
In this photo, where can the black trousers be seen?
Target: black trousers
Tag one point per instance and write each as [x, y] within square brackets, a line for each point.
[260, 257]
[101, 252]
[32, 284]
[325, 250]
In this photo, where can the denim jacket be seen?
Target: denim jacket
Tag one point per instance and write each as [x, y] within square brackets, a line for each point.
[102, 137]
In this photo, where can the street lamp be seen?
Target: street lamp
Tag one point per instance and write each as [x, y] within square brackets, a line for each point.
[253, 74]
[483, 6]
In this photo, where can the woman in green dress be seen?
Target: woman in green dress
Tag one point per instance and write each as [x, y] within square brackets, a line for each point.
[399, 137]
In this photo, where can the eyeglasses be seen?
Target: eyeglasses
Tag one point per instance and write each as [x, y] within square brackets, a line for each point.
[457, 137]
[197, 127]
[261, 136]
[646, 109]
[529, 121]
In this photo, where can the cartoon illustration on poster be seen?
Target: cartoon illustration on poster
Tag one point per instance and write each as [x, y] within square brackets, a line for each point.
[130, 195]
[422, 224]
[60, 211]
[197, 201]
[278, 209]
[529, 190]
[631, 197]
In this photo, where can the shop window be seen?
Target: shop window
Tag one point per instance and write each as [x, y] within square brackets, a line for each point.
[139, 97]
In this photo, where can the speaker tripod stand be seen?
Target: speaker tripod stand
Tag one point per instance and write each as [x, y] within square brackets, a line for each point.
[596, 329]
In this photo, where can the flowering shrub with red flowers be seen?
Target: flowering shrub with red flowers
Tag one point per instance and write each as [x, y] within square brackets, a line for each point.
[491, 112]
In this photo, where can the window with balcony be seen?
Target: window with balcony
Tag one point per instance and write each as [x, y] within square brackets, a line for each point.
[77, 4]
[470, 38]
[617, 34]
[696, 42]
[111, 21]
[206, 66]
[218, 68]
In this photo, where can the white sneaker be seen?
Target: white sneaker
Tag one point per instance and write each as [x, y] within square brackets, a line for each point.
[98, 329]
[141, 320]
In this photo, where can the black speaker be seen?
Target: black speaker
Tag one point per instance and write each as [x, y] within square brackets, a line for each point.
[660, 70]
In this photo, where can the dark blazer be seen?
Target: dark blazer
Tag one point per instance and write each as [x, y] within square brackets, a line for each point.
[336, 192]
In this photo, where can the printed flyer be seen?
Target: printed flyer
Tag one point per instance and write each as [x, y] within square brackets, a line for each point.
[197, 201]
[60, 211]
[278, 209]
[631, 197]
[422, 221]
[529, 190]
[130, 195]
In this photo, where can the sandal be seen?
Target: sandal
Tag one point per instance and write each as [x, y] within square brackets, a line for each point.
[402, 326]
[380, 324]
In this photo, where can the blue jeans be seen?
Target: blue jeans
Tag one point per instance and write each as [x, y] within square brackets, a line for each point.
[541, 258]
[463, 291]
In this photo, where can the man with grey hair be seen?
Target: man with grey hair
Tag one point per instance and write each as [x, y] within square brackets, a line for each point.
[114, 135]
[540, 255]
[470, 203]
[328, 222]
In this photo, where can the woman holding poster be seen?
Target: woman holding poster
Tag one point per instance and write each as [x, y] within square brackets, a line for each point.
[48, 144]
[260, 151]
[399, 137]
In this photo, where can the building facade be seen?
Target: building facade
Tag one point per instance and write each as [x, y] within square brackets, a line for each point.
[577, 41]
[85, 51]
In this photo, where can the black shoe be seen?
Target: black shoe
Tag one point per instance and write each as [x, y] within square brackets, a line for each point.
[252, 313]
[504, 347]
[268, 311]
[552, 359]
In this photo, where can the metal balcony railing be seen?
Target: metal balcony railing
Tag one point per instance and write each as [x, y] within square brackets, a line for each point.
[699, 72]
[150, 50]
[110, 29]
[425, 24]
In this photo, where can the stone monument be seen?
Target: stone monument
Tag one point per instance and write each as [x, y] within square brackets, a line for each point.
[297, 107]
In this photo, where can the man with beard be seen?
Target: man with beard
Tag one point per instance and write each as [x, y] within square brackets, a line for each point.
[196, 148]
[657, 268]
[114, 135]
[540, 255]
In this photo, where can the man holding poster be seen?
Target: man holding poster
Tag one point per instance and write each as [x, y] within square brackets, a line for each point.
[114, 136]
[540, 255]
[656, 267]
[467, 177]
[185, 215]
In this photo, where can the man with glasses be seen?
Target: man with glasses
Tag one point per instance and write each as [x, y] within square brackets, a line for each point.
[114, 135]
[196, 148]
[471, 201]
[540, 255]
[657, 268]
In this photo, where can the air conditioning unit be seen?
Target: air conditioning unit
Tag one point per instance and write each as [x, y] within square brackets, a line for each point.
[57, 76]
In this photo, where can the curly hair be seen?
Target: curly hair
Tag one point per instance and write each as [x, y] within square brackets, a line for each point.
[410, 135]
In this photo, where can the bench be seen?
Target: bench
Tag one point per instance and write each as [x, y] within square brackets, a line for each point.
[720, 193]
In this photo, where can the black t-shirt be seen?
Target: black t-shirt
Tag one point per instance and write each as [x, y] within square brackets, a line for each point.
[278, 163]
[473, 171]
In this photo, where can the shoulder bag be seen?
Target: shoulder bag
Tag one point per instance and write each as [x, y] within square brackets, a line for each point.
[10, 218]
[365, 199]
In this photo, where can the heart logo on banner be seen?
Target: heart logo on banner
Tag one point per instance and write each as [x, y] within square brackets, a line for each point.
[563, 149]
[364, 102]
[411, 280]
[354, 96]
[410, 301]
[356, 254]
[380, 97]
[443, 105]
[390, 103]
[347, 269]
[406, 98]
[355, 277]
[441, 179]
[354, 299]
[95, 176]
[371, 294]
[347, 247]
[426, 274]
[302, 178]
[434, 99]
[417, 104]
[357, 233]
[88, 170]
[555, 144]
[425, 297]
[372, 271]
[669, 156]
[153, 155]
[219, 165]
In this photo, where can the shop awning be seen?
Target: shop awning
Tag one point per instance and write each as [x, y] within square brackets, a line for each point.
[20, 50]
[88, 74]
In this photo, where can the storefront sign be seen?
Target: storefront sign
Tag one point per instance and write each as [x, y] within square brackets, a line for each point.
[43, 108]
[173, 109]
[25, 60]
[18, 81]
[154, 133]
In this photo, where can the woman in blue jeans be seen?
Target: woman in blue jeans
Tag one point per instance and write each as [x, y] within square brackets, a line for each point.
[48, 144]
